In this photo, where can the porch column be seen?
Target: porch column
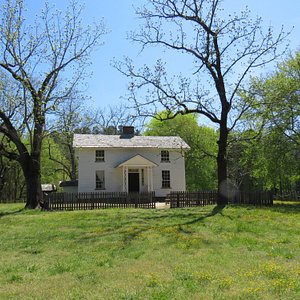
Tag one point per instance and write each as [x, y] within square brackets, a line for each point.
[125, 179]
[150, 179]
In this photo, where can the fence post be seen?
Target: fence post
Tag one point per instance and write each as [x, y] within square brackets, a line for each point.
[92, 201]
[46, 203]
[271, 197]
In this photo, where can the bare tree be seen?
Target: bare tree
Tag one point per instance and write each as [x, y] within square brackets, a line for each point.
[224, 50]
[110, 119]
[75, 117]
[71, 115]
[35, 56]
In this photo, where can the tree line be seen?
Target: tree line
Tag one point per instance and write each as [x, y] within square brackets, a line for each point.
[254, 143]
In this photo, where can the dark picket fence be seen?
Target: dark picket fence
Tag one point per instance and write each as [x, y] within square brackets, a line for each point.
[12, 200]
[84, 201]
[190, 199]
[287, 196]
[260, 198]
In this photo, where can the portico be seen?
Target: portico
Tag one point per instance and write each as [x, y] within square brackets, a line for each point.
[137, 174]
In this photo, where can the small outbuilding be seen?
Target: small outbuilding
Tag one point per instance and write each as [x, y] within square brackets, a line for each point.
[70, 186]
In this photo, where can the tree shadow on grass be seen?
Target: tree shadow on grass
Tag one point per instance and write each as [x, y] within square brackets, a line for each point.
[192, 215]
[278, 206]
[10, 213]
[216, 210]
[132, 234]
[286, 207]
[129, 231]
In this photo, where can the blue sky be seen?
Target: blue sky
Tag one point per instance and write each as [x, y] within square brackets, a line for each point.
[106, 85]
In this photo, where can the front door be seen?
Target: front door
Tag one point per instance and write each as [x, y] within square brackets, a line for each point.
[133, 182]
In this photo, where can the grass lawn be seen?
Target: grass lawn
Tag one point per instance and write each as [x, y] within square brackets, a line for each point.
[195, 253]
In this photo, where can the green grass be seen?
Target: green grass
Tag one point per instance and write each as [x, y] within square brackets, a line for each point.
[197, 253]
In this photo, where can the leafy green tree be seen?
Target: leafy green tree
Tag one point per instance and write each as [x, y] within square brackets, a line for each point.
[275, 110]
[51, 169]
[200, 159]
[241, 152]
[12, 183]
[34, 56]
[276, 98]
[268, 162]
[277, 166]
[223, 51]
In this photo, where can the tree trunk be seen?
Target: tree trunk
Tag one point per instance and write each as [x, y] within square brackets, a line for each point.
[31, 170]
[73, 172]
[222, 165]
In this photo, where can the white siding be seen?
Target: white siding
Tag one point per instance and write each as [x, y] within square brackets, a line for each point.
[113, 175]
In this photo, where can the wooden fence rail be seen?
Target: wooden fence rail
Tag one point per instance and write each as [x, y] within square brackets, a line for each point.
[189, 199]
[83, 201]
[287, 196]
[260, 198]
[12, 200]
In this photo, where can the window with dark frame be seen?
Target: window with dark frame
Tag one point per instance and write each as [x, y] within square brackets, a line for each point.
[166, 181]
[99, 156]
[100, 180]
[165, 156]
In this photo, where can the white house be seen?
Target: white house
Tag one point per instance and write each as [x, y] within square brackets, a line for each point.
[129, 163]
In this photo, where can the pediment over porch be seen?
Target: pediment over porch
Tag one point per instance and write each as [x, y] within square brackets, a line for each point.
[137, 161]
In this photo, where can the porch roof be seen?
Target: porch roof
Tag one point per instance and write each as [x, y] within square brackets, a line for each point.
[137, 161]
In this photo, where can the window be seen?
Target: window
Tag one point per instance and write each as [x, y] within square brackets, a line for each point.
[100, 180]
[165, 156]
[165, 179]
[99, 155]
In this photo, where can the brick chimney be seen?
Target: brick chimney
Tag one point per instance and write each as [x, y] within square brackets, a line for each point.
[127, 132]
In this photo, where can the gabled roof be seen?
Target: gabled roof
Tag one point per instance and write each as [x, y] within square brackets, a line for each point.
[68, 183]
[117, 141]
[137, 161]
